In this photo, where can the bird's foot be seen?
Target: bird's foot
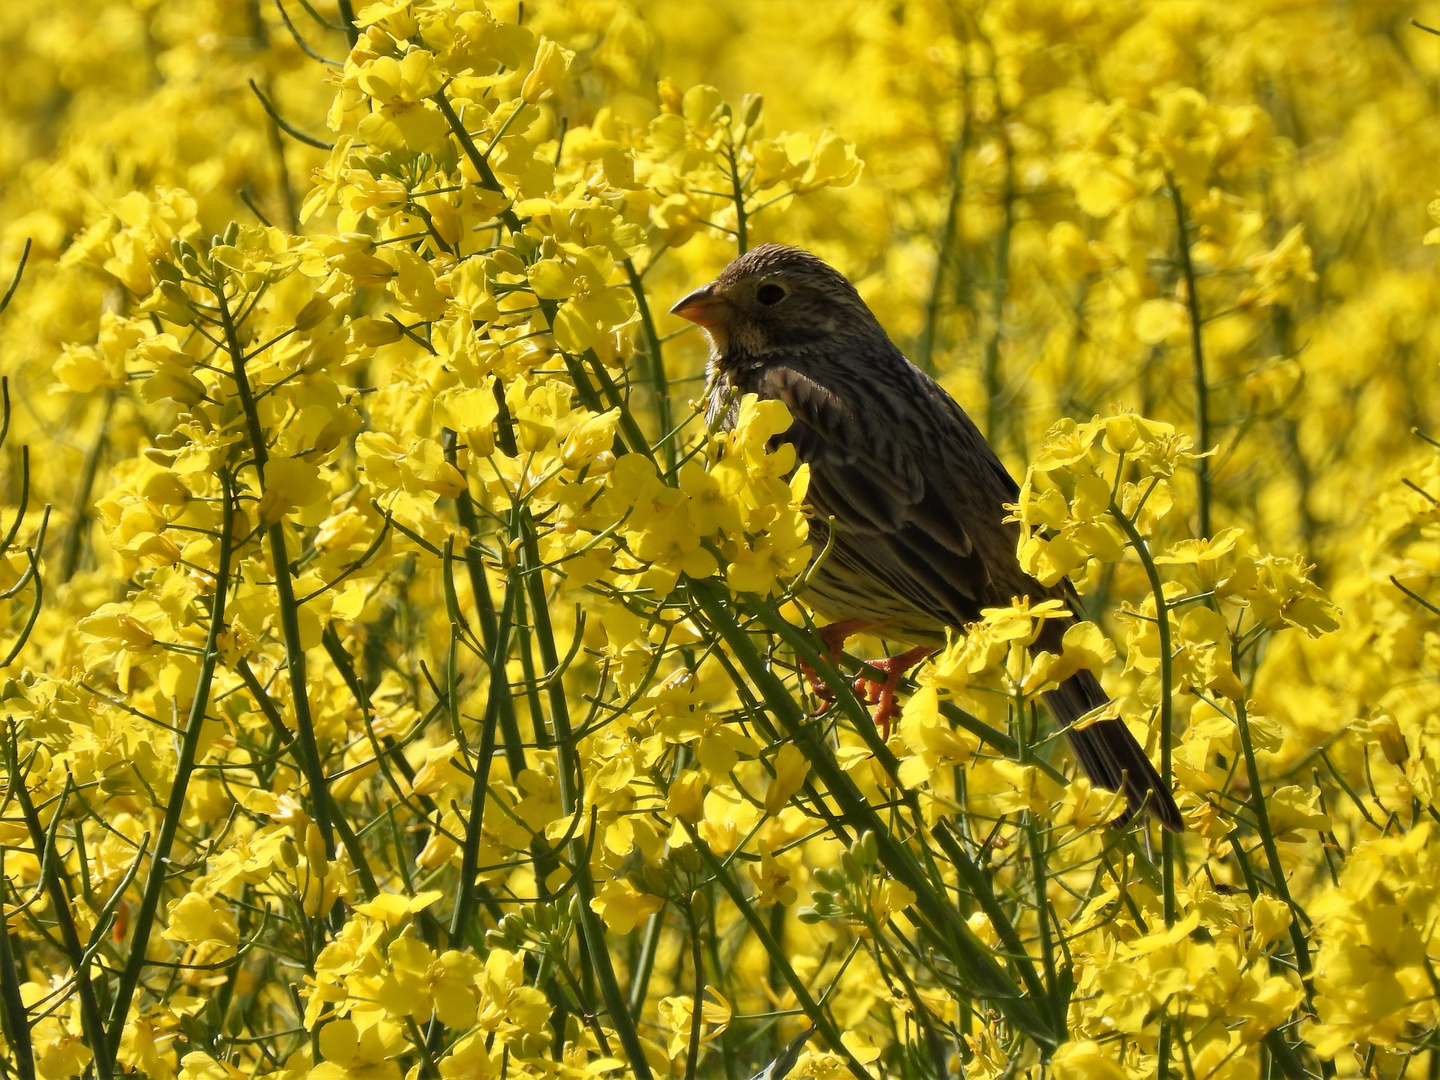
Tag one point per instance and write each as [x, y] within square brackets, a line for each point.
[833, 637]
[817, 686]
[837, 633]
[882, 694]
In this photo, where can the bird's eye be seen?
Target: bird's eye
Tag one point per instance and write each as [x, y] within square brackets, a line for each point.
[770, 294]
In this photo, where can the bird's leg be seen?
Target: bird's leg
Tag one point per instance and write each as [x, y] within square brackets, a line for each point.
[882, 694]
[833, 637]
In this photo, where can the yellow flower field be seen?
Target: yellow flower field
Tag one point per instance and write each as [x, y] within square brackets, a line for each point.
[400, 680]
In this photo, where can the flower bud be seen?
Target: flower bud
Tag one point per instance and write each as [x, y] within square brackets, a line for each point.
[551, 64]
[589, 438]
[687, 797]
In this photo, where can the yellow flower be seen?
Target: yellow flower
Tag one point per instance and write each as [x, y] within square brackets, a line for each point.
[352, 1052]
[551, 63]
[1086, 1061]
[623, 907]
[201, 923]
[289, 484]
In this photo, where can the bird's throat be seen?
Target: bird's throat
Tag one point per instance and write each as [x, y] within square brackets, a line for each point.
[719, 341]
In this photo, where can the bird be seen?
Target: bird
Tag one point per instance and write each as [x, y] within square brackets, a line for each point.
[908, 503]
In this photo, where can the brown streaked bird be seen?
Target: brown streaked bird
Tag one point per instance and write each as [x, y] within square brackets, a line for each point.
[917, 497]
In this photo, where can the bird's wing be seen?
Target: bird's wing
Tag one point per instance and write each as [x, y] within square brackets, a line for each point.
[916, 494]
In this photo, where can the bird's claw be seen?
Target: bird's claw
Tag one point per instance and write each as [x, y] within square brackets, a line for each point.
[833, 636]
[817, 686]
[881, 694]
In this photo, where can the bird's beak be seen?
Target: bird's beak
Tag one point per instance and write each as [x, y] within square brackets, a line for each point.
[706, 307]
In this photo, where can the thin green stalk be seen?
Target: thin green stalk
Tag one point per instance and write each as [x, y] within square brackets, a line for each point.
[630, 431]
[655, 358]
[998, 293]
[284, 585]
[774, 976]
[477, 160]
[184, 767]
[15, 284]
[282, 165]
[592, 931]
[808, 1004]
[80, 506]
[1167, 682]
[55, 888]
[347, 21]
[640, 978]
[924, 1018]
[925, 351]
[485, 611]
[479, 792]
[383, 749]
[978, 885]
[1272, 852]
[697, 961]
[1038, 856]
[530, 679]
[1038, 859]
[271, 713]
[737, 187]
[845, 699]
[17, 1020]
[1282, 1051]
[724, 968]
[1284, 1055]
[299, 684]
[1197, 353]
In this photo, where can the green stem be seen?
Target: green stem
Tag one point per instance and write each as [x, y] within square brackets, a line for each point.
[998, 293]
[485, 610]
[284, 585]
[80, 507]
[55, 888]
[1038, 857]
[478, 161]
[17, 1019]
[808, 1004]
[980, 888]
[267, 706]
[1272, 852]
[1037, 864]
[592, 931]
[640, 981]
[737, 188]
[499, 688]
[1290, 1064]
[184, 767]
[697, 962]
[347, 21]
[656, 362]
[924, 1017]
[1202, 390]
[589, 396]
[1167, 682]
[925, 351]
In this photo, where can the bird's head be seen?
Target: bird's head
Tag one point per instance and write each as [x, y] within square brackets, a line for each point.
[777, 300]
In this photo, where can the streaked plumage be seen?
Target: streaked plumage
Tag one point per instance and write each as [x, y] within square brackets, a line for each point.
[917, 495]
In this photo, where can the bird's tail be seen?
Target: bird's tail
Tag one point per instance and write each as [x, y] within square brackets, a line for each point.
[1108, 752]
